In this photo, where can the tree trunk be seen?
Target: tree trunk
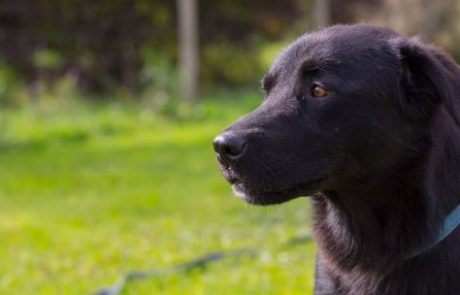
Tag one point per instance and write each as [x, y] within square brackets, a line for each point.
[428, 20]
[188, 43]
[322, 13]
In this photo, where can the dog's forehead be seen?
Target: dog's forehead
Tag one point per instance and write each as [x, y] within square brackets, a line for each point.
[306, 48]
[338, 44]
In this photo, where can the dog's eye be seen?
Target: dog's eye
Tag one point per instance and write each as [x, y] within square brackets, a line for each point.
[318, 91]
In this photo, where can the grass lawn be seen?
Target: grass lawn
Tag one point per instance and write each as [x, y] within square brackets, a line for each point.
[89, 192]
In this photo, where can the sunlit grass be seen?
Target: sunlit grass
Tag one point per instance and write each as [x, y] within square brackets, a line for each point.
[89, 192]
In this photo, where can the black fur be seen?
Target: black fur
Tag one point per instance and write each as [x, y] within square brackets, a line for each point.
[380, 153]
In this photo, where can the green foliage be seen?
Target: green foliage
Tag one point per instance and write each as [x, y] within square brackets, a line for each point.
[269, 52]
[91, 191]
[104, 43]
[47, 59]
[228, 64]
[9, 85]
[160, 79]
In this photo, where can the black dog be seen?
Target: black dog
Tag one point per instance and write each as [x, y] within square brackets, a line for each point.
[368, 122]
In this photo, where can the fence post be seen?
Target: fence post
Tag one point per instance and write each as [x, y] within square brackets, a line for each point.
[188, 48]
[322, 13]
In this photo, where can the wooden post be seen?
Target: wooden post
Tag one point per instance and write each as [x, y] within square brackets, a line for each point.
[188, 48]
[428, 20]
[322, 13]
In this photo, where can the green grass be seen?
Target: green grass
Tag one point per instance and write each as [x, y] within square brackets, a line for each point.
[89, 192]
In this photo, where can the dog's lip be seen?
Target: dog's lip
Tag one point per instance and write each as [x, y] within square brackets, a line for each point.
[266, 197]
[227, 172]
[232, 179]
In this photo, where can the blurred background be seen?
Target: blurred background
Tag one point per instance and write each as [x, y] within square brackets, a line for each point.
[107, 114]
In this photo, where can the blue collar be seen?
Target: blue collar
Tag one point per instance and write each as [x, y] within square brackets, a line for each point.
[450, 223]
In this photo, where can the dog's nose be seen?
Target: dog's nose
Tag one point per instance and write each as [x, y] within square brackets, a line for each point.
[230, 146]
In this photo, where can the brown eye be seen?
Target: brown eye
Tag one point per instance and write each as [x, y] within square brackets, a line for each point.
[318, 91]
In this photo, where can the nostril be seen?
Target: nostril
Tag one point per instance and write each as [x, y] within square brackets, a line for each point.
[230, 146]
[234, 151]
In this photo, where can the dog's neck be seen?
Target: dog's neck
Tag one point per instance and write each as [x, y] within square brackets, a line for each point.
[353, 232]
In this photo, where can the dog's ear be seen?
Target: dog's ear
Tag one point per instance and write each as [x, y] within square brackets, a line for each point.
[429, 77]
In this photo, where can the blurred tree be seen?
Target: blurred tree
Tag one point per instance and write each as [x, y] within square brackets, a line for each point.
[131, 44]
[233, 32]
[350, 11]
[188, 31]
[322, 13]
[98, 42]
[104, 44]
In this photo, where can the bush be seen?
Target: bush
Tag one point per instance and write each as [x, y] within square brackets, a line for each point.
[9, 86]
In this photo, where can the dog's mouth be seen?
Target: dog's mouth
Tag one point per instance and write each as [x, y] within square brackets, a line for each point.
[259, 196]
[269, 192]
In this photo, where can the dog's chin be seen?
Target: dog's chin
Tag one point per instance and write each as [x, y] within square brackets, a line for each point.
[261, 197]
[255, 197]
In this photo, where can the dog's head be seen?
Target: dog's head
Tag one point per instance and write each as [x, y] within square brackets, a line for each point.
[342, 106]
